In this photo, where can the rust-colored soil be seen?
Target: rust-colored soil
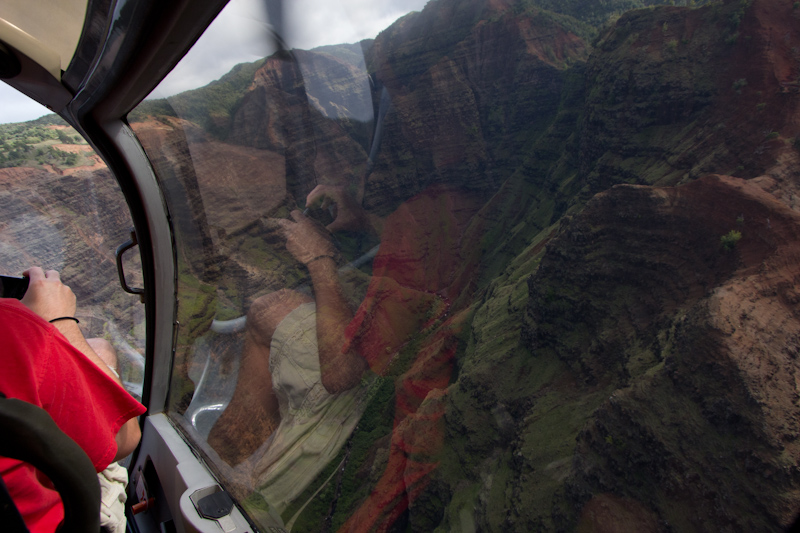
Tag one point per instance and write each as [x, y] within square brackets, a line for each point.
[73, 148]
[98, 164]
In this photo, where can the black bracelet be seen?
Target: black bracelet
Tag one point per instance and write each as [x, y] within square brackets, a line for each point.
[65, 318]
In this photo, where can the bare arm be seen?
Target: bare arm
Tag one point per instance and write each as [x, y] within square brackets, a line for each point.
[49, 298]
[310, 245]
[128, 436]
[340, 370]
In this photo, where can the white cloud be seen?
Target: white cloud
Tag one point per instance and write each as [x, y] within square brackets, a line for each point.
[238, 35]
[16, 107]
[241, 34]
[313, 23]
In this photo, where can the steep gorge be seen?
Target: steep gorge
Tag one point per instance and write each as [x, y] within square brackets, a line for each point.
[643, 383]
[621, 365]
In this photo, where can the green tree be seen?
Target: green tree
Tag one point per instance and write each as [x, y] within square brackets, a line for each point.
[730, 239]
[64, 138]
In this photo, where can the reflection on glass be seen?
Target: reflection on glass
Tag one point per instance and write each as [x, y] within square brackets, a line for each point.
[404, 305]
[311, 279]
[322, 275]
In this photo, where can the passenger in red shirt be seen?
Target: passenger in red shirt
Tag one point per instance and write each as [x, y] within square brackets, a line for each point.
[52, 366]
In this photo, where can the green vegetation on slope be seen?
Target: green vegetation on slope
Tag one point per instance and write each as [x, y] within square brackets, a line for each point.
[33, 144]
[210, 107]
[599, 13]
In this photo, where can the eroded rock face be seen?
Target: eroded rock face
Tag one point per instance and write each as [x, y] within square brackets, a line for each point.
[461, 107]
[79, 238]
[316, 110]
[464, 109]
[221, 195]
[73, 223]
[674, 94]
[697, 345]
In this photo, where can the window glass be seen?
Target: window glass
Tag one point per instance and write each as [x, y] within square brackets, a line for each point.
[287, 147]
[466, 272]
[61, 209]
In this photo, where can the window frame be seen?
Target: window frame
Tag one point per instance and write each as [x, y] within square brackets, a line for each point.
[134, 57]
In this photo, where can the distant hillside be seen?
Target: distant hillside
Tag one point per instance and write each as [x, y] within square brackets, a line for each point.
[213, 106]
[218, 100]
[350, 53]
[45, 142]
[598, 13]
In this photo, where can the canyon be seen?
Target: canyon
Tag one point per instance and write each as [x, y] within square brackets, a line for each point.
[623, 314]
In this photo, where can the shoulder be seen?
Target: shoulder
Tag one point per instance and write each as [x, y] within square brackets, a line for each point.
[27, 341]
[23, 331]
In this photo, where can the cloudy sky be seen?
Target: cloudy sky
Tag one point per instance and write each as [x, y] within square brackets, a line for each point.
[239, 35]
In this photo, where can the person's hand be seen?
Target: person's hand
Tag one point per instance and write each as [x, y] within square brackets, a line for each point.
[47, 296]
[348, 215]
[305, 239]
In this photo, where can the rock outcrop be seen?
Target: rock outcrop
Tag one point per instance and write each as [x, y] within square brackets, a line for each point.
[675, 94]
[692, 345]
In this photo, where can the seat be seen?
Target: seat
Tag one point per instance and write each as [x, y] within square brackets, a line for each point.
[31, 435]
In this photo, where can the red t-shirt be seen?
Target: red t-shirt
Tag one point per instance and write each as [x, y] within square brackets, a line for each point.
[38, 365]
[417, 271]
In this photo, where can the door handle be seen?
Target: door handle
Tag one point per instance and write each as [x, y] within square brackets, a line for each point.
[121, 249]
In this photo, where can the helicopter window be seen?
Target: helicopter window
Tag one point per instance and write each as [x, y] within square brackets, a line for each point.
[306, 288]
[470, 271]
[62, 209]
